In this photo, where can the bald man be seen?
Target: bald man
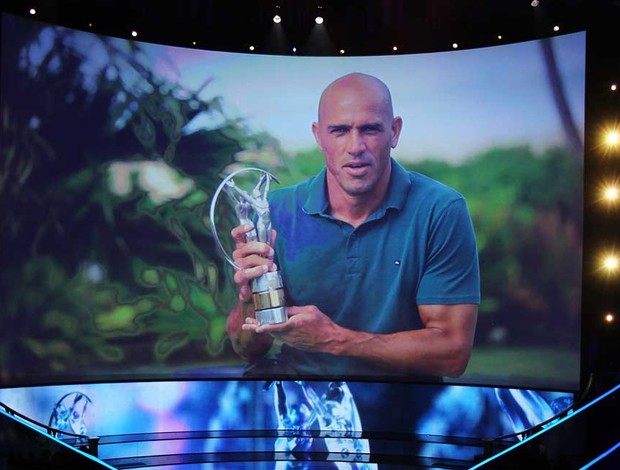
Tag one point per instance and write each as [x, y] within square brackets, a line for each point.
[379, 264]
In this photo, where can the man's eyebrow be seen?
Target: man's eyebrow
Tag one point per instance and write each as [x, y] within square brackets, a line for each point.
[371, 126]
[339, 127]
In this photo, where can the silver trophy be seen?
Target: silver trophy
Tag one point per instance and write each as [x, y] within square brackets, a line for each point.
[267, 291]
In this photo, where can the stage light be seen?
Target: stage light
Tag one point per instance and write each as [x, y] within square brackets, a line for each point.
[318, 20]
[611, 193]
[613, 87]
[32, 11]
[610, 263]
[134, 33]
[610, 317]
[556, 28]
[277, 19]
[455, 45]
[535, 3]
[612, 138]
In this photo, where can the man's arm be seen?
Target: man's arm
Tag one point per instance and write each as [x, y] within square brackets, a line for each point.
[442, 347]
[255, 259]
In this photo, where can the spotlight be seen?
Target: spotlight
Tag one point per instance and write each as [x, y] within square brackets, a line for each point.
[610, 317]
[556, 28]
[251, 48]
[318, 20]
[193, 43]
[499, 37]
[611, 193]
[613, 87]
[32, 11]
[294, 49]
[395, 48]
[612, 138]
[610, 263]
[134, 33]
[535, 3]
[341, 51]
[455, 45]
[277, 19]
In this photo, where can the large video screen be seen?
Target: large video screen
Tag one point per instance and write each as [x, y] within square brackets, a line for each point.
[113, 151]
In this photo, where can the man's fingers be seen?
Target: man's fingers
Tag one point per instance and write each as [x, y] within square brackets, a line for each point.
[238, 234]
[243, 276]
[253, 248]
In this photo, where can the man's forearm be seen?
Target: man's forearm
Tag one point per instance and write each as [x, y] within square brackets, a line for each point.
[248, 344]
[428, 351]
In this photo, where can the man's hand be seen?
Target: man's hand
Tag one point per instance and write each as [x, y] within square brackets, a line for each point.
[307, 328]
[254, 258]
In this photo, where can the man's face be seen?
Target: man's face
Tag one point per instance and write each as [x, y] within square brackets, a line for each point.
[356, 131]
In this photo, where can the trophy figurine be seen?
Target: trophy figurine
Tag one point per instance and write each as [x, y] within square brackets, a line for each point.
[267, 291]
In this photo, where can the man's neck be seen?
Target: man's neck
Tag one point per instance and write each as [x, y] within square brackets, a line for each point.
[355, 209]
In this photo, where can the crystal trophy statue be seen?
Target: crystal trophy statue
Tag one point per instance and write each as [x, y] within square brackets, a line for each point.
[252, 208]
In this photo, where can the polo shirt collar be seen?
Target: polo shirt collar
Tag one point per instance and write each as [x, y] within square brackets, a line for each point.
[400, 183]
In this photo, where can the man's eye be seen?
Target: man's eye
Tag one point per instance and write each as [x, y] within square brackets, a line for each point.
[338, 131]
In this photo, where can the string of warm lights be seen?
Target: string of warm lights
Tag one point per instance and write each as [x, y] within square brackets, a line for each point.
[319, 20]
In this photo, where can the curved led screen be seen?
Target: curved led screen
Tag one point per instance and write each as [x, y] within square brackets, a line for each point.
[112, 151]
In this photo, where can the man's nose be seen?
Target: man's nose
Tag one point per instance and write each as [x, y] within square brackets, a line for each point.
[355, 145]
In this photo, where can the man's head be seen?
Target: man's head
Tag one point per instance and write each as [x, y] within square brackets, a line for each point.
[356, 131]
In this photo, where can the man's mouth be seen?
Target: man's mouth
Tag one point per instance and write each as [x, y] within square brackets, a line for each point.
[356, 168]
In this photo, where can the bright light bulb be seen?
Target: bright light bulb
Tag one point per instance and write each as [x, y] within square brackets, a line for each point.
[395, 48]
[134, 33]
[277, 19]
[32, 11]
[612, 138]
[455, 45]
[611, 263]
[251, 48]
[611, 193]
[556, 28]
[614, 87]
[535, 3]
[342, 51]
[610, 317]
[318, 20]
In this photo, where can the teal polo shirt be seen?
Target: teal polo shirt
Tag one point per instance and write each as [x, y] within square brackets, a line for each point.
[417, 248]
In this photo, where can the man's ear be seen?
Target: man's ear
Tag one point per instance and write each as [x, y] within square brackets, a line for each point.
[317, 137]
[397, 125]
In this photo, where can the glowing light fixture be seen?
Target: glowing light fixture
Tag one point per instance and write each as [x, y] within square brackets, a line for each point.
[134, 33]
[610, 263]
[455, 45]
[499, 37]
[612, 138]
[610, 317]
[277, 19]
[318, 20]
[395, 48]
[32, 11]
[341, 51]
[251, 48]
[611, 193]
[535, 3]
[613, 87]
[556, 28]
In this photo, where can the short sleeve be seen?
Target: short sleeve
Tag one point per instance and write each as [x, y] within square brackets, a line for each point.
[451, 272]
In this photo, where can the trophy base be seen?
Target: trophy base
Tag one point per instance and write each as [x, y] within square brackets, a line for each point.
[271, 316]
